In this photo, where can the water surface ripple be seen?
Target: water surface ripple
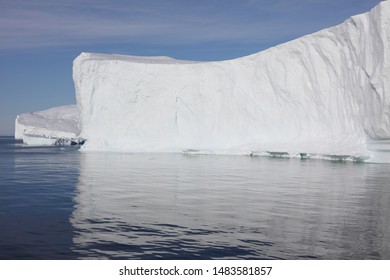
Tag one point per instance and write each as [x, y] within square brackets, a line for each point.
[58, 203]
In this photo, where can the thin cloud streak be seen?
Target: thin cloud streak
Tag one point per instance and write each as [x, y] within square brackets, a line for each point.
[42, 23]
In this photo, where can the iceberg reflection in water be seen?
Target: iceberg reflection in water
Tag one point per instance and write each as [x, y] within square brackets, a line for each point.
[146, 206]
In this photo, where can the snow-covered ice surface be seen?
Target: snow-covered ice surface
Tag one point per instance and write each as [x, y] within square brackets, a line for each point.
[48, 126]
[323, 94]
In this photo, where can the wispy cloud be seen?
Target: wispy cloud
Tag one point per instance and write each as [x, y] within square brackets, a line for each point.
[42, 23]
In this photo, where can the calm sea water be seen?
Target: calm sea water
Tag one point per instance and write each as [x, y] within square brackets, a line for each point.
[59, 203]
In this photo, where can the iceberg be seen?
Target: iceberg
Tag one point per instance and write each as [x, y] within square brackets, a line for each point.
[55, 126]
[322, 95]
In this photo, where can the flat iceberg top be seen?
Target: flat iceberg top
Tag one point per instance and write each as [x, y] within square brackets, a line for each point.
[69, 112]
[134, 59]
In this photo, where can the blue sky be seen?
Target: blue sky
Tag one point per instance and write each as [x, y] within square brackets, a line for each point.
[39, 39]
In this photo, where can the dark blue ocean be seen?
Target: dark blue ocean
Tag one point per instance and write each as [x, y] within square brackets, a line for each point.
[59, 203]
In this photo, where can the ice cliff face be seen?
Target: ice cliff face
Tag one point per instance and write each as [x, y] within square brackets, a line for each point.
[54, 123]
[325, 93]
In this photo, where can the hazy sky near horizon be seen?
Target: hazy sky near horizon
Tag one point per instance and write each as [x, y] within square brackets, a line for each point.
[39, 39]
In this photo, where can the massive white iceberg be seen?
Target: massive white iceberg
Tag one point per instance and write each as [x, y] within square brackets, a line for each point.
[327, 93]
[59, 125]
[323, 95]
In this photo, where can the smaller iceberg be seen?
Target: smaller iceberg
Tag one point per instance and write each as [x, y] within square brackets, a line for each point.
[55, 126]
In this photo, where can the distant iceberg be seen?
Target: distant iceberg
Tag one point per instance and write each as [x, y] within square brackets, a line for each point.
[324, 95]
[55, 126]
